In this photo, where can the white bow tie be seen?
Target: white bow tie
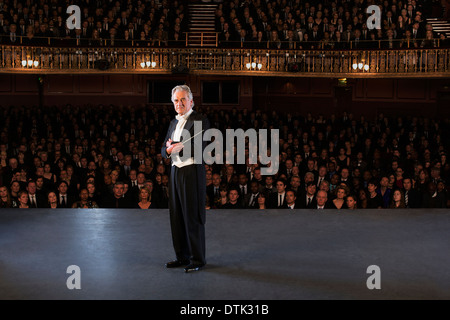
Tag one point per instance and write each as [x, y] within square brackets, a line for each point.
[181, 117]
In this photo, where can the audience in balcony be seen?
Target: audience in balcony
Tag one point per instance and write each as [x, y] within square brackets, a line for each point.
[331, 21]
[113, 21]
[111, 158]
[165, 23]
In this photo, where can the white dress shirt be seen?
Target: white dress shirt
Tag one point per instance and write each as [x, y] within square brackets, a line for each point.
[176, 160]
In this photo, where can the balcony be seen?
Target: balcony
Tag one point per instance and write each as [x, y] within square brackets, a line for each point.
[155, 59]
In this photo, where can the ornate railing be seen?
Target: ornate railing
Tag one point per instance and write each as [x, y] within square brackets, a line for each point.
[312, 63]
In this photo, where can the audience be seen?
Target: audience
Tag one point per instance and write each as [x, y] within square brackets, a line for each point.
[109, 157]
[335, 24]
[299, 24]
[114, 23]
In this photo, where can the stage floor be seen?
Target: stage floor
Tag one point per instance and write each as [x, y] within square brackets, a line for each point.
[252, 254]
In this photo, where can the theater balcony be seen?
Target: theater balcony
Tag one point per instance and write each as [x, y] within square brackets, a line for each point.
[237, 59]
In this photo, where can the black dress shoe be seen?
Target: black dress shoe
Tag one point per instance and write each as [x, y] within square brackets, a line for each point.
[193, 267]
[176, 264]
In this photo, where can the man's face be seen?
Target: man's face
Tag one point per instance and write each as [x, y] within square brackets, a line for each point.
[280, 187]
[233, 195]
[289, 164]
[216, 179]
[242, 179]
[321, 198]
[140, 178]
[290, 197]
[344, 173]
[254, 187]
[407, 184]
[322, 171]
[31, 188]
[311, 189]
[181, 102]
[118, 190]
[295, 182]
[62, 188]
[39, 183]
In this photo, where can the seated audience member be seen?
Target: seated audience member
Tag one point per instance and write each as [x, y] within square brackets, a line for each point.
[145, 200]
[52, 200]
[374, 200]
[251, 199]
[339, 201]
[85, 202]
[94, 196]
[278, 199]
[23, 200]
[385, 192]
[5, 198]
[307, 198]
[116, 199]
[352, 202]
[233, 199]
[65, 200]
[398, 200]
[290, 200]
[262, 201]
[321, 201]
[413, 198]
[432, 198]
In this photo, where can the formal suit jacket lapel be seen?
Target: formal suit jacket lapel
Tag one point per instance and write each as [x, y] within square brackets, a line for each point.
[173, 125]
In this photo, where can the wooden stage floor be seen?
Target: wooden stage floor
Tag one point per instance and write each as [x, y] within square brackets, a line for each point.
[252, 254]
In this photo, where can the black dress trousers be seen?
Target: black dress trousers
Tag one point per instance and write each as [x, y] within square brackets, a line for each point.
[187, 213]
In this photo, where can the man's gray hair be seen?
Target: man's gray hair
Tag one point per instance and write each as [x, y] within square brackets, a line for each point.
[184, 88]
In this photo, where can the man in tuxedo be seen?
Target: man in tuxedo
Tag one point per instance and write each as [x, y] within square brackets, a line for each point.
[251, 198]
[278, 199]
[187, 188]
[290, 200]
[243, 186]
[213, 190]
[413, 198]
[13, 37]
[64, 199]
[322, 200]
[117, 199]
[35, 200]
[308, 197]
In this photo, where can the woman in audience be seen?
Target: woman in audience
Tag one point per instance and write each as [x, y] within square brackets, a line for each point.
[5, 198]
[49, 177]
[363, 196]
[223, 196]
[398, 199]
[422, 181]
[262, 201]
[23, 200]
[145, 199]
[15, 189]
[52, 199]
[352, 202]
[339, 201]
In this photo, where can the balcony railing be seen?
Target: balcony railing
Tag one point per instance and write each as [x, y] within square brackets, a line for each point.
[240, 61]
